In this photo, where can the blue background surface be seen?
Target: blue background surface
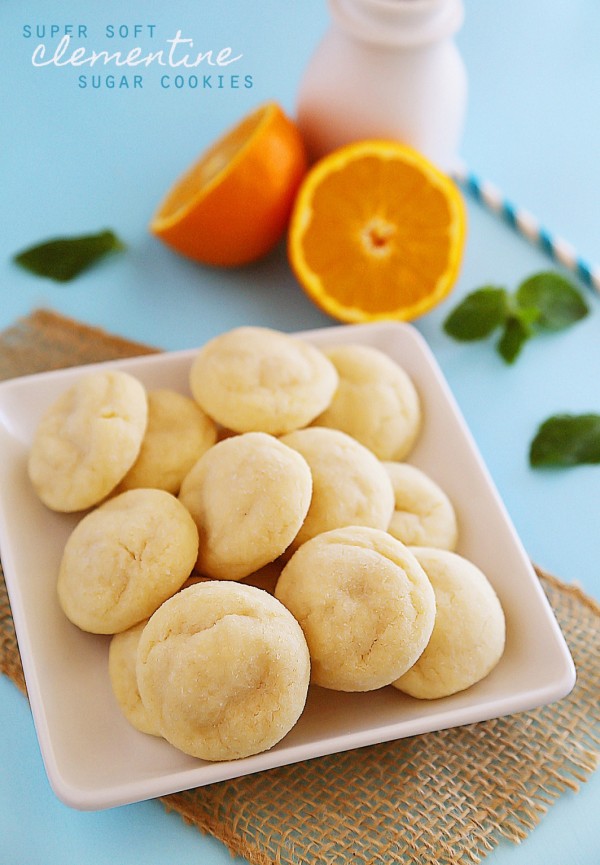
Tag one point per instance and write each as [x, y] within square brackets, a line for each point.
[75, 160]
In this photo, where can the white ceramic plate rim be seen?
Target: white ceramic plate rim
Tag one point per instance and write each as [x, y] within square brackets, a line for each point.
[93, 758]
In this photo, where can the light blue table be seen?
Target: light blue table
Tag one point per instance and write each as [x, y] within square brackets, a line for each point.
[78, 159]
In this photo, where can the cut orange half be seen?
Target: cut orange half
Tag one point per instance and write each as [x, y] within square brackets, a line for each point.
[233, 205]
[377, 232]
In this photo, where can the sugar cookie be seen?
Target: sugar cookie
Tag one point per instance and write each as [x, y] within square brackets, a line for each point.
[223, 670]
[248, 495]
[177, 434]
[253, 379]
[469, 633]
[350, 486]
[375, 402]
[122, 658]
[124, 558]
[364, 603]
[87, 440]
[423, 515]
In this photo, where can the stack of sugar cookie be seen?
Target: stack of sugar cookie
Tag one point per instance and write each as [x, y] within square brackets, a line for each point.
[260, 532]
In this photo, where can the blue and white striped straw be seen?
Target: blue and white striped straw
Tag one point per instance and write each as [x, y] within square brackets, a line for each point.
[526, 224]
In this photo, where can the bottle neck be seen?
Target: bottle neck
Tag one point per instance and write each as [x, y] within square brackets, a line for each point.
[398, 22]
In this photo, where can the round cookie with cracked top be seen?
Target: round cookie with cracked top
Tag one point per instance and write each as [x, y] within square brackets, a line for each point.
[254, 379]
[124, 558]
[87, 440]
[365, 605]
[177, 434]
[350, 485]
[122, 659]
[248, 495]
[376, 401]
[469, 633]
[423, 514]
[223, 670]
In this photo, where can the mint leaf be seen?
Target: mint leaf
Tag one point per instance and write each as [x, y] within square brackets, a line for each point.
[514, 336]
[527, 315]
[558, 301]
[64, 258]
[478, 315]
[566, 440]
[544, 301]
[517, 330]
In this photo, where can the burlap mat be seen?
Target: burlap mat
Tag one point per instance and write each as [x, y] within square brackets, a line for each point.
[437, 799]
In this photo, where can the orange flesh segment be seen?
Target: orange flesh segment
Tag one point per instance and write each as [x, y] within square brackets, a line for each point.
[217, 159]
[360, 235]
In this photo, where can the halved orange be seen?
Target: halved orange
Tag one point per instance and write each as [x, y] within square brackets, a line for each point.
[377, 232]
[233, 205]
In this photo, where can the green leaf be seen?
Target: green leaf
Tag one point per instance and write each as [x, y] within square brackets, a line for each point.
[480, 313]
[557, 299]
[566, 440]
[515, 334]
[527, 315]
[64, 258]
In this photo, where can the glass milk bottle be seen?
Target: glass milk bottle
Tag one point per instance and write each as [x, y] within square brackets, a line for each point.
[387, 69]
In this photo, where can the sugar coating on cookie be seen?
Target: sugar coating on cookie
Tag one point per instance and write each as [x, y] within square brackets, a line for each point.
[364, 603]
[177, 434]
[254, 379]
[87, 440]
[248, 495]
[350, 485]
[469, 633]
[376, 401]
[122, 659]
[125, 558]
[223, 670]
[423, 514]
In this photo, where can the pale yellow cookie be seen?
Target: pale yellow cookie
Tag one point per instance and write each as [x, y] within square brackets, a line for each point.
[469, 633]
[223, 670]
[350, 485]
[256, 379]
[376, 401]
[423, 515]
[248, 495]
[88, 440]
[364, 603]
[122, 659]
[125, 558]
[177, 435]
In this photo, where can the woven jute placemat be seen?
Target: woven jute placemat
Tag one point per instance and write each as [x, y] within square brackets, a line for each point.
[439, 799]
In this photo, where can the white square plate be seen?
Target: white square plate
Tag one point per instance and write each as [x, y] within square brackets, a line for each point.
[95, 760]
